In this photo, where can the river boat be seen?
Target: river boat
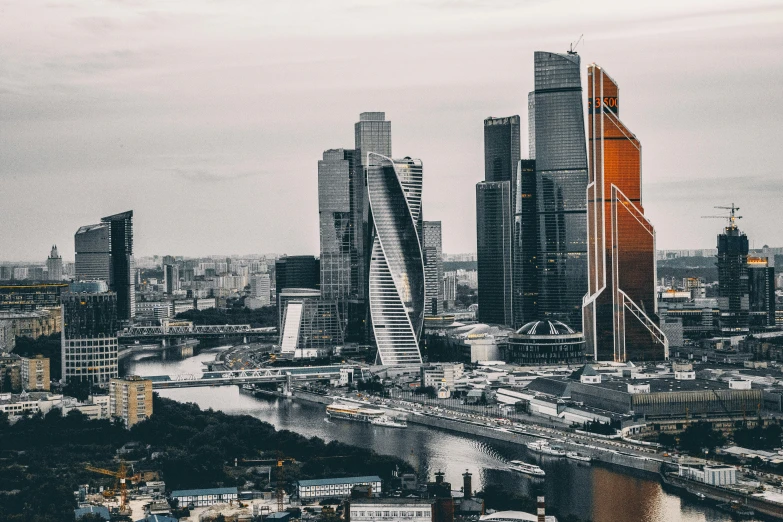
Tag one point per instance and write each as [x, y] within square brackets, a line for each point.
[738, 510]
[352, 412]
[388, 422]
[544, 448]
[527, 469]
[578, 457]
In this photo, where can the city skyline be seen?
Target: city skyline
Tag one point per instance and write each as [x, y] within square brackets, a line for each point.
[140, 156]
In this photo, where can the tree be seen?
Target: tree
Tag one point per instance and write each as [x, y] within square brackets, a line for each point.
[667, 440]
[79, 389]
[700, 436]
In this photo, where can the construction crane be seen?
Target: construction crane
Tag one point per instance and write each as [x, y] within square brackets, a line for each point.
[281, 480]
[122, 476]
[732, 217]
[572, 49]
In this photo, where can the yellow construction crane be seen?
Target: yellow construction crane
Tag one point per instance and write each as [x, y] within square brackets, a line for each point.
[281, 480]
[732, 217]
[122, 476]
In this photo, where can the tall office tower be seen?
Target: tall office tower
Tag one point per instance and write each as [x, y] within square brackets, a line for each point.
[130, 399]
[733, 286]
[89, 334]
[501, 148]
[54, 265]
[310, 326]
[761, 292]
[93, 253]
[620, 309]
[296, 272]
[433, 267]
[122, 280]
[372, 134]
[171, 278]
[493, 244]
[557, 143]
[396, 270]
[336, 233]
[524, 299]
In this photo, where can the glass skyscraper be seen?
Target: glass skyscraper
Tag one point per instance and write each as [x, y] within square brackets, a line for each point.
[396, 268]
[433, 267]
[733, 284]
[620, 321]
[122, 280]
[557, 143]
[525, 246]
[493, 246]
[501, 148]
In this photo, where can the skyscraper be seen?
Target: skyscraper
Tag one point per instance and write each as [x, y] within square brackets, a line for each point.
[93, 253]
[557, 143]
[525, 246]
[336, 232]
[171, 278]
[493, 245]
[433, 267]
[396, 269]
[501, 148]
[372, 134]
[733, 286]
[296, 272]
[620, 321]
[122, 280]
[54, 265]
[761, 292]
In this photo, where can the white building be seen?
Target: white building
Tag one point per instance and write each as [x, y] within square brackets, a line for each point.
[397, 509]
[204, 497]
[335, 487]
[717, 475]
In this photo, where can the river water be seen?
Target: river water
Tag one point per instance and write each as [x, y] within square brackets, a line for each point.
[590, 492]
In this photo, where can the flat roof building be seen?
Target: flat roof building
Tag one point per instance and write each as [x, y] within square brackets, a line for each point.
[336, 487]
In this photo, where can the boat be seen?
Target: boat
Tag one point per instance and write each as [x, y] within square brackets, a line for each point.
[544, 448]
[576, 456]
[737, 509]
[389, 422]
[527, 469]
[352, 412]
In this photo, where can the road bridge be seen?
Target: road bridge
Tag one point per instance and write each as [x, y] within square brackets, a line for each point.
[189, 330]
[259, 375]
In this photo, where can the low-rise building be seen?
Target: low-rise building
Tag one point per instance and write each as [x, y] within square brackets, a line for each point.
[336, 487]
[397, 509]
[441, 375]
[36, 373]
[204, 497]
[714, 475]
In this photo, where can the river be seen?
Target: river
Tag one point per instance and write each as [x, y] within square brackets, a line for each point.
[590, 492]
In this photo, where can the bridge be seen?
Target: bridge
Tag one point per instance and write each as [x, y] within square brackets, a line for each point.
[187, 329]
[258, 375]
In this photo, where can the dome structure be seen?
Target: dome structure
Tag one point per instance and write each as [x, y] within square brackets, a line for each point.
[545, 342]
[545, 327]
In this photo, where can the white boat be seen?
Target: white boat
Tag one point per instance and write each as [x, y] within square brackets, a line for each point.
[352, 412]
[389, 422]
[527, 469]
[576, 456]
[544, 448]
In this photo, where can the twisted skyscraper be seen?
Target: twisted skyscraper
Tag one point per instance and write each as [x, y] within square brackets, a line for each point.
[619, 314]
[396, 270]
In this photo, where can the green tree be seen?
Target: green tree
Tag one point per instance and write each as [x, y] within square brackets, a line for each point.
[700, 436]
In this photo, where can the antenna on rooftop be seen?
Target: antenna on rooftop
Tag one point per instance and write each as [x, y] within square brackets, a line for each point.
[574, 45]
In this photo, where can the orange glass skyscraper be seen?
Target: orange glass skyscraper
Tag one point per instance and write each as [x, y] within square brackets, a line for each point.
[620, 312]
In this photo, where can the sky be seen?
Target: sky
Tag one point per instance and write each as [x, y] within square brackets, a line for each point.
[208, 117]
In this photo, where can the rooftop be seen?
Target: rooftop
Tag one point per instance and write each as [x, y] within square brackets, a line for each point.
[393, 501]
[201, 492]
[343, 480]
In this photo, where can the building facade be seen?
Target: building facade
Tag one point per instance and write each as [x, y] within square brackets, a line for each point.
[261, 288]
[296, 272]
[733, 286]
[557, 144]
[493, 244]
[89, 337]
[171, 278]
[396, 268]
[761, 292]
[544, 343]
[36, 374]
[30, 297]
[336, 487]
[54, 265]
[312, 327]
[130, 399]
[432, 250]
[620, 310]
[524, 298]
[93, 252]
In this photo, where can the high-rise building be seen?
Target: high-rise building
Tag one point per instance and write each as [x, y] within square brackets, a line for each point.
[761, 292]
[733, 286]
[122, 280]
[171, 278]
[432, 251]
[296, 272]
[620, 310]
[557, 144]
[130, 399]
[524, 299]
[54, 265]
[372, 135]
[493, 244]
[396, 267]
[449, 290]
[260, 288]
[336, 233]
[105, 252]
[89, 333]
[501, 148]
[311, 327]
[36, 373]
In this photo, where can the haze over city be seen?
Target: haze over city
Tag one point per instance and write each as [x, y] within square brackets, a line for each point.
[208, 119]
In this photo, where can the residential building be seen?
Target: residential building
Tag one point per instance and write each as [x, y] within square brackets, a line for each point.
[54, 265]
[449, 290]
[441, 375]
[432, 251]
[336, 487]
[396, 268]
[557, 144]
[171, 278]
[493, 242]
[261, 288]
[89, 334]
[33, 324]
[131, 399]
[36, 373]
[204, 497]
[620, 310]
[7, 337]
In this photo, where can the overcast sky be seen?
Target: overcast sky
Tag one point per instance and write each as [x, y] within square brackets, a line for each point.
[208, 118]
